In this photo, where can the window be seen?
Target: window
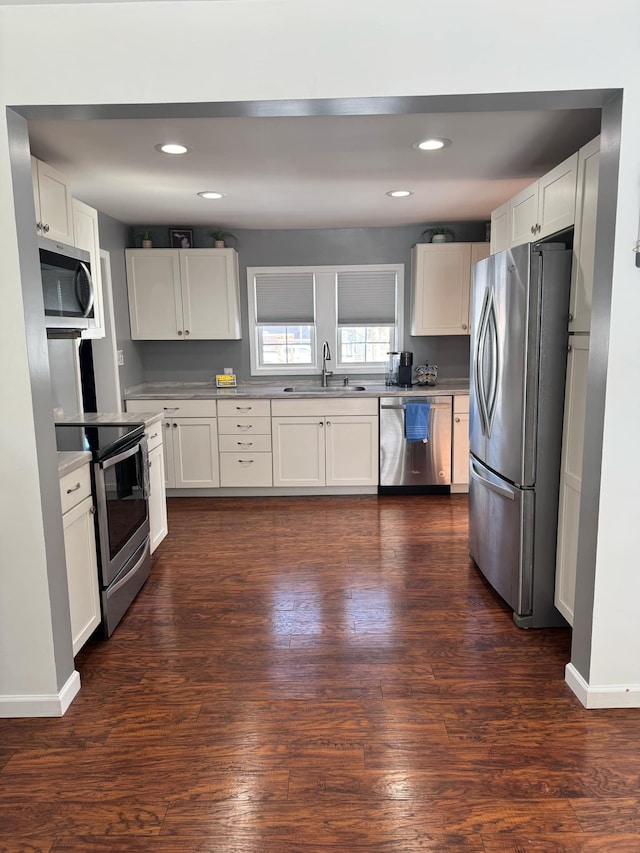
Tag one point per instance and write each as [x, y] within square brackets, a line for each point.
[292, 310]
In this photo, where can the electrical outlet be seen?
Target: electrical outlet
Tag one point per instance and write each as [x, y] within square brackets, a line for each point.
[120, 356]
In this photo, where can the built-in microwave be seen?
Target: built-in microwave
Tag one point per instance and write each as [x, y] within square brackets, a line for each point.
[66, 285]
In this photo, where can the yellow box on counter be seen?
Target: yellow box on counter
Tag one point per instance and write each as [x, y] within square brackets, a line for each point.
[225, 380]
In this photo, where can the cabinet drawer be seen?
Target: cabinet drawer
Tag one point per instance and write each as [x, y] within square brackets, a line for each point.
[175, 408]
[244, 426]
[154, 435]
[244, 408]
[460, 403]
[246, 469]
[326, 407]
[75, 487]
[244, 443]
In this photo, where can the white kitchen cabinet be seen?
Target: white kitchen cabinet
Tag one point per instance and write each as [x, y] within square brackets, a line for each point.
[441, 283]
[460, 444]
[158, 524]
[325, 442]
[500, 227]
[86, 236]
[80, 552]
[244, 441]
[190, 443]
[52, 199]
[545, 206]
[183, 294]
[571, 474]
[584, 242]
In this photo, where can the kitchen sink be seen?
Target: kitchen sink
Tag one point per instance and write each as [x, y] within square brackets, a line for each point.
[318, 389]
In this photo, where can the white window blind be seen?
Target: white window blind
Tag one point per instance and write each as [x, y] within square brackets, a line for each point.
[367, 297]
[284, 298]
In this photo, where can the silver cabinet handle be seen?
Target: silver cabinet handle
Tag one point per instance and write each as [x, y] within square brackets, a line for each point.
[168, 425]
[155, 435]
[74, 489]
[175, 426]
[244, 426]
[243, 408]
[244, 443]
[464, 325]
[328, 423]
[186, 331]
[179, 331]
[245, 461]
[170, 408]
[45, 228]
[457, 420]
[533, 229]
[321, 423]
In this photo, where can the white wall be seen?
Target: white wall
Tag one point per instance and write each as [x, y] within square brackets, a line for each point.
[278, 49]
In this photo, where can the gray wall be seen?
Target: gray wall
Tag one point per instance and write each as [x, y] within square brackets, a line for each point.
[200, 360]
[113, 239]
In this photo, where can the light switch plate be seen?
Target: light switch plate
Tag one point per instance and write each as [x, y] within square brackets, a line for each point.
[120, 356]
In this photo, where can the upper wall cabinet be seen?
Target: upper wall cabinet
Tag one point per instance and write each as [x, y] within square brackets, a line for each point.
[441, 283]
[52, 199]
[86, 236]
[584, 242]
[546, 206]
[183, 294]
[500, 224]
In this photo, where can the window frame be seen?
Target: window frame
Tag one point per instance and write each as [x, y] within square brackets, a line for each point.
[326, 325]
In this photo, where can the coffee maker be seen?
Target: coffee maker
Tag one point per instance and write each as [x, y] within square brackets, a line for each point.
[391, 376]
[405, 369]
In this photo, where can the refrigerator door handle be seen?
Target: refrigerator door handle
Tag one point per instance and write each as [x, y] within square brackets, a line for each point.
[479, 365]
[492, 334]
[503, 491]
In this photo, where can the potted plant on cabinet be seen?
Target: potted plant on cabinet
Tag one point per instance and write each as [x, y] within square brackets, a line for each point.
[145, 238]
[220, 236]
[437, 234]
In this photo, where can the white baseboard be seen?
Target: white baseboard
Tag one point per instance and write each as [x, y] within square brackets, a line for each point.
[42, 705]
[604, 695]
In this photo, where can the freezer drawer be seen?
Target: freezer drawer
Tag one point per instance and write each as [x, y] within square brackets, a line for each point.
[414, 463]
[501, 535]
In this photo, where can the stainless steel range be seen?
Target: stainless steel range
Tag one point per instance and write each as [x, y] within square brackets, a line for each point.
[121, 486]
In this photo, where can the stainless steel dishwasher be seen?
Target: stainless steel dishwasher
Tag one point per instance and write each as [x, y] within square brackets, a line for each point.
[415, 466]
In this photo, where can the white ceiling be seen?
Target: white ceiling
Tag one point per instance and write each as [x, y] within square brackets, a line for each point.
[309, 172]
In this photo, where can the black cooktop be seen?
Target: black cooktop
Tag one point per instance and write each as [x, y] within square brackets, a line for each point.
[101, 439]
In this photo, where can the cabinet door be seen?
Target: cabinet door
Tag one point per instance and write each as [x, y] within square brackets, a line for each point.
[351, 450]
[155, 301]
[86, 236]
[167, 450]
[584, 241]
[460, 467]
[210, 294]
[571, 474]
[440, 294]
[157, 498]
[557, 198]
[82, 571]
[298, 451]
[53, 202]
[523, 216]
[500, 228]
[195, 453]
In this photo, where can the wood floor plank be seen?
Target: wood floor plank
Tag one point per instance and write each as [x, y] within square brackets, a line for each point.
[321, 675]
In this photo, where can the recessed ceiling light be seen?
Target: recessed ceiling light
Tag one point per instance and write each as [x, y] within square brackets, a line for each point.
[171, 148]
[432, 144]
[210, 194]
[399, 193]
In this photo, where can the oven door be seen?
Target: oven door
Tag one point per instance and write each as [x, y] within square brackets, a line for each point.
[122, 492]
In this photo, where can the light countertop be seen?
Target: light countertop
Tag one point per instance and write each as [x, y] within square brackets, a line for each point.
[207, 391]
[71, 460]
[110, 418]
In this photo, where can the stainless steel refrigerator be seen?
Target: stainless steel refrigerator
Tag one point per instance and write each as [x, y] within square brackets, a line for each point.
[519, 338]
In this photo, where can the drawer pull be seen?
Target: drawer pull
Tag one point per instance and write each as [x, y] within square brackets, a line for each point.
[243, 408]
[74, 489]
[246, 461]
[244, 443]
[155, 435]
[171, 408]
[244, 426]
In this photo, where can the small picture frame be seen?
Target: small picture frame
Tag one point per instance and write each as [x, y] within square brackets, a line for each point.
[181, 238]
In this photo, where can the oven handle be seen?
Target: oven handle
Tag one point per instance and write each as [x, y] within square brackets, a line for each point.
[110, 461]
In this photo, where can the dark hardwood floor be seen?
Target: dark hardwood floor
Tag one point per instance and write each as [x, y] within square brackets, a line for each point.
[321, 674]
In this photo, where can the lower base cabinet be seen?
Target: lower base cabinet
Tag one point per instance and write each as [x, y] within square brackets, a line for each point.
[325, 442]
[80, 551]
[460, 444]
[158, 525]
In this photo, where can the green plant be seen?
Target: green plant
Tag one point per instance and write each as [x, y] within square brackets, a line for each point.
[219, 235]
[142, 235]
[429, 233]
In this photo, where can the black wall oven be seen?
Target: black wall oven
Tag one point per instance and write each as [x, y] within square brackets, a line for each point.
[121, 489]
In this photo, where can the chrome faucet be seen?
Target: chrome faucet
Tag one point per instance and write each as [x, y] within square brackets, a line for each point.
[326, 356]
